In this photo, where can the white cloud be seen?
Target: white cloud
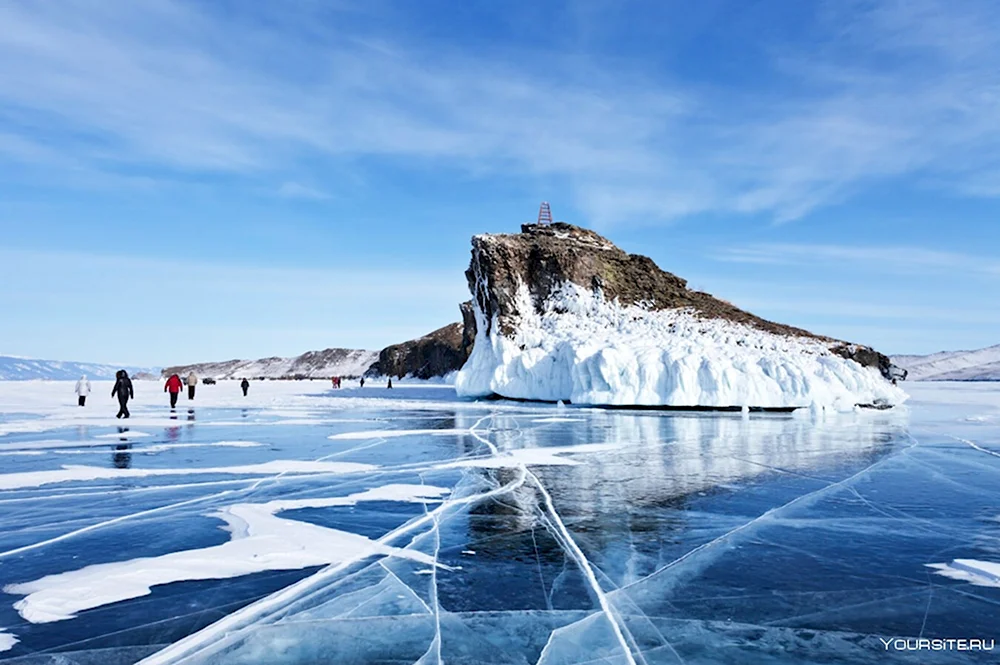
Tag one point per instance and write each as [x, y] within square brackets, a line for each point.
[883, 258]
[295, 190]
[117, 86]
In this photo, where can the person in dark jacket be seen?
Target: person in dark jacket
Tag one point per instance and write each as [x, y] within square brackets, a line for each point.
[362, 382]
[390, 383]
[123, 390]
[174, 387]
[245, 385]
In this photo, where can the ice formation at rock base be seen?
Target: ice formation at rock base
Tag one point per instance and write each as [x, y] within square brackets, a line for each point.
[577, 347]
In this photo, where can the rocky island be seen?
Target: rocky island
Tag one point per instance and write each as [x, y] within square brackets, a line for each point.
[563, 314]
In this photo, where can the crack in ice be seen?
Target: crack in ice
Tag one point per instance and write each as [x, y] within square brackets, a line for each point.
[212, 636]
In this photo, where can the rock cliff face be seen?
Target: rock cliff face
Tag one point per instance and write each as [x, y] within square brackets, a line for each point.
[545, 257]
[435, 354]
[565, 314]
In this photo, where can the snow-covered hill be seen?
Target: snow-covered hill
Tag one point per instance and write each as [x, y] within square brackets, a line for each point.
[563, 314]
[979, 365]
[13, 368]
[313, 364]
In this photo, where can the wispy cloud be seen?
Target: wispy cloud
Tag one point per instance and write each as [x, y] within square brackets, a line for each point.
[295, 190]
[167, 86]
[886, 259]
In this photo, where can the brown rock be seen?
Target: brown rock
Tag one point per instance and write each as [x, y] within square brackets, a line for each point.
[435, 354]
[544, 257]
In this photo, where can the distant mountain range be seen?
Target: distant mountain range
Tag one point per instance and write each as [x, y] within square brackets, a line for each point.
[980, 365]
[13, 368]
[310, 365]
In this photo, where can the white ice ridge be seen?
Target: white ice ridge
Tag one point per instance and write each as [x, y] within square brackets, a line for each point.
[38, 447]
[261, 540]
[587, 350]
[127, 434]
[980, 573]
[67, 473]
[213, 635]
[7, 641]
[524, 457]
[392, 433]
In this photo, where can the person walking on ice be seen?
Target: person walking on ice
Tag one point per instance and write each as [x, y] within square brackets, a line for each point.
[245, 385]
[192, 381]
[389, 387]
[174, 387]
[123, 390]
[82, 390]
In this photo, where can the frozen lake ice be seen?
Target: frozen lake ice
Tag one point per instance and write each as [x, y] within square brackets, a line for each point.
[306, 525]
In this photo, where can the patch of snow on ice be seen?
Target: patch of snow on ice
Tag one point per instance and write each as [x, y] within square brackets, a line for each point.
[7, 641]
[39, 447]
[45, 445]
[128, 433]
[237, 444]
[392, 433]
[260, 541]
[980, 573]
[70, 473]
[587, 350]
[512, 459]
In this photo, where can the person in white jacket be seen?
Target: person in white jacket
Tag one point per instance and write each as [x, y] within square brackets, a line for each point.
[191, 381]
[82, 390]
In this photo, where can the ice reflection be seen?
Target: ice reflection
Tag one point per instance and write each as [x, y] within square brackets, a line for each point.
[121, 458]
[623, 515]
[659, 460]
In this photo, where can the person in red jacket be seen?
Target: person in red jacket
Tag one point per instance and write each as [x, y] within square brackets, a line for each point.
[174, 387]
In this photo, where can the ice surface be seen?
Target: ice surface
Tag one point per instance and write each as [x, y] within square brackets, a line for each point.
[587, 350]
[412, 527]
[260, 541]
[71, 473]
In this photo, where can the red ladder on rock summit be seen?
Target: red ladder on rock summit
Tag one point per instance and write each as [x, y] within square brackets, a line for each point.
[544, 213]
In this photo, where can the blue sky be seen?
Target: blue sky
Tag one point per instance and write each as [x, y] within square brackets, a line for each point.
[187, 181]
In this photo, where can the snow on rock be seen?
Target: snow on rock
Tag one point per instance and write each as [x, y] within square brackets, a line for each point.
[548, 329]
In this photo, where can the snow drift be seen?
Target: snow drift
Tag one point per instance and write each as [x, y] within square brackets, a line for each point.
[563, 314]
